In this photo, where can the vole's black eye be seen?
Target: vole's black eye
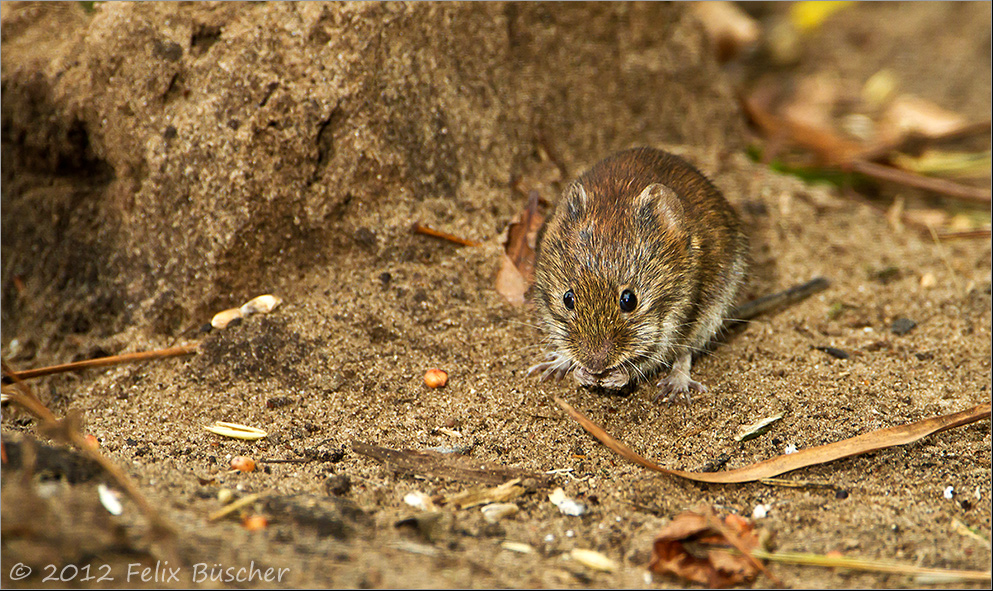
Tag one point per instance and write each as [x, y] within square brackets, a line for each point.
[569, 300]
[629, 301]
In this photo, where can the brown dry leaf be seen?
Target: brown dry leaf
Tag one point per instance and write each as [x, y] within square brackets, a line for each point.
[822, 454]
[730, 29]
[713, 567]
[516, 273]
[910, 114]
[510, 283]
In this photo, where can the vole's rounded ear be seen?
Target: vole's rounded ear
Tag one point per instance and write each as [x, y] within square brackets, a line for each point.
[576, 200]
[660, 204]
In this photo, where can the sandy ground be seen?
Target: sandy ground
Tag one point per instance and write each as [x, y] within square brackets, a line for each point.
[343, 360]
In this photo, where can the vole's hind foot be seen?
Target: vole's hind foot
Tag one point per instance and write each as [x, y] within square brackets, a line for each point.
[677, 385]
[557, 366]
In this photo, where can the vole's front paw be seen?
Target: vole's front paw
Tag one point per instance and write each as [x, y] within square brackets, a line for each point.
[676, 388]
[557, 365]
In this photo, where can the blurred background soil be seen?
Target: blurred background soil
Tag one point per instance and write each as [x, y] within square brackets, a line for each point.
[164, 162]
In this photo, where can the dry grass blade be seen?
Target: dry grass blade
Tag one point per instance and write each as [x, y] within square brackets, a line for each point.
[872, 441]
[939, 574]
[232, 507]
[422, 229]
[102, 362]
[919, 181]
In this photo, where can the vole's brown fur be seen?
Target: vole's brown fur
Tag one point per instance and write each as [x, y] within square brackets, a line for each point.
[643, 221]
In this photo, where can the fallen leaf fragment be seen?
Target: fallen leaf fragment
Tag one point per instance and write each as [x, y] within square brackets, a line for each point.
[758, 428]
[516, 271]
[907, 114]
[236, 431]
[510, 283]
[822, 454]
[730, 29]
[715, 564]
[808, 15]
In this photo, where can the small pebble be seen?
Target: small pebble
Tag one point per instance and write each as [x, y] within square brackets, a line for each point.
[949, 492]
[566, 505]
[419, 500]
[834, 352]
[902, 326]
[338, 485]
[761, 511]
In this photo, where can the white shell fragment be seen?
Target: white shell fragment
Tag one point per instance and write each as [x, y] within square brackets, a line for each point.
[222, 319]
[761, 511]
[261, 305]
[420, 501]
[236, 431]
[110, 500]
[494, 512]
[593, 559]
[566, 505]
[949, 492]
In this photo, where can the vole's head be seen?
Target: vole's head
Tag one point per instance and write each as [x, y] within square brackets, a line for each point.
[612, 286]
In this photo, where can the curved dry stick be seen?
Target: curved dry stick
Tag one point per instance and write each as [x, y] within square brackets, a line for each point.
[822, 454]
[104, 362]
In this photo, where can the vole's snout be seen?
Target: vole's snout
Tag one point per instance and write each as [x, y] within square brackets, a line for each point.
[596, 358]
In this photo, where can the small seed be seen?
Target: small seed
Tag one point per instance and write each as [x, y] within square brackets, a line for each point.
[435, 378]
[222, 319]
[255, 523]
[243, 464]
[261, 305]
